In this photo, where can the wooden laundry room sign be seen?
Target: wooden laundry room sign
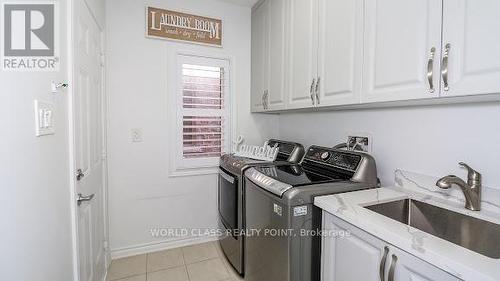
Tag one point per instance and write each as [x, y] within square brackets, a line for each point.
[173, 25]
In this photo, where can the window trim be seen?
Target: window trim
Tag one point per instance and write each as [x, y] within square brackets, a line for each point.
[176, 167]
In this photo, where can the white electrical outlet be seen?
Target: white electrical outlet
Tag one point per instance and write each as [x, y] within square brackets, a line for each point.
[136, 135]
[44, 118]
[360, 140]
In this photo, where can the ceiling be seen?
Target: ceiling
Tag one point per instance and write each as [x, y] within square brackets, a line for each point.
[248, 3]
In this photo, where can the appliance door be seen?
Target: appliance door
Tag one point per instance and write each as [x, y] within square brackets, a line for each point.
[266, 253]
[230, 208]
[228, 199]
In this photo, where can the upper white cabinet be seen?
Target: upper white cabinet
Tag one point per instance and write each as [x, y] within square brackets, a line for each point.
[306, 53]
[325, 50]
[323, 53]
[302, 50]
[260, 59]
[402, 50]
[470, 33]
[277, 12]
[268, 56]
[377, 259]
[340, 52]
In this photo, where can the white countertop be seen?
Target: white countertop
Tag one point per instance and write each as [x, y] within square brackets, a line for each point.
[456, 260]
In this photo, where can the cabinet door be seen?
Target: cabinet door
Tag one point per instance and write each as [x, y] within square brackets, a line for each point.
[345, 246]
[340, 51]
[410, 268]
[276, 99]
[399, 36]
[469, 27]
[302, 52]
[260, 51]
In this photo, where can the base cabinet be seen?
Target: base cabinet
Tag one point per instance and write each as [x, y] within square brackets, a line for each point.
[351, 254]
[410, 268]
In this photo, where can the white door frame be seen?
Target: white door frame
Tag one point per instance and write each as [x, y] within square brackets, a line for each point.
[70, 45]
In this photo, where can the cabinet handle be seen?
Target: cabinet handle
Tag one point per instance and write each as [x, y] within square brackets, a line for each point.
[311, 90]
[392, 268]
[444, 66]
[317, 90]
[382, 264]
[430, 70]
[264, 99]
[267, 99]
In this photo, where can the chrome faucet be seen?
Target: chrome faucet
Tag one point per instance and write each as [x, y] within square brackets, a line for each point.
[471, 189]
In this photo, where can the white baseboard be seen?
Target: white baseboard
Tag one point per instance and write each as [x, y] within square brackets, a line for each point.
[158, 246]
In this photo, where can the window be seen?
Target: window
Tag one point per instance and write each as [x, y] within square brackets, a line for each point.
[203, 111]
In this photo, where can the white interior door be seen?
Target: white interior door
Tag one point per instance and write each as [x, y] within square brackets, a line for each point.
[340, 56]
[474, 44]
[399, 37]
[89, 143]
[302, 52]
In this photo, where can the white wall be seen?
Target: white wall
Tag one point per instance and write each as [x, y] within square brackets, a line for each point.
[429, 140]
[35, 210]
[142, 195]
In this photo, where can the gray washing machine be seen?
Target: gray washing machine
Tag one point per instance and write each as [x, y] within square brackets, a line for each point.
[282, 224]
[231, 203]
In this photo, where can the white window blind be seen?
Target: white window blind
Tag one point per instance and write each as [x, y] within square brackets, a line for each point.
[203, 110]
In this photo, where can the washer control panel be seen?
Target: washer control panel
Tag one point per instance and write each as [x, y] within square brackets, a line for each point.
[345, 160]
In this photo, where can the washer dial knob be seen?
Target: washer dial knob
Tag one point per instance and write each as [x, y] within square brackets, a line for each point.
[325, 155]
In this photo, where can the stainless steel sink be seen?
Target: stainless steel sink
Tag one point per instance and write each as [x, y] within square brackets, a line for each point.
[474, 234]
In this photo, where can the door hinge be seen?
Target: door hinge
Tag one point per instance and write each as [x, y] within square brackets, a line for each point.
[104, 155]
[103, 59]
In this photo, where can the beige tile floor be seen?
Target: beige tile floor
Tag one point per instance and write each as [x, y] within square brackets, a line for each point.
[202, 262]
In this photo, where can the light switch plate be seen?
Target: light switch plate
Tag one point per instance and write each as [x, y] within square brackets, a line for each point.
[44, 118]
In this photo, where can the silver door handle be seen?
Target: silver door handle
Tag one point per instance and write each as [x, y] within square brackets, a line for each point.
[382, 264]
[392, 269]
[82, 198]
[317, 90]
[79, 175]
[444, 66]
[311, 90]
[430, 70]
